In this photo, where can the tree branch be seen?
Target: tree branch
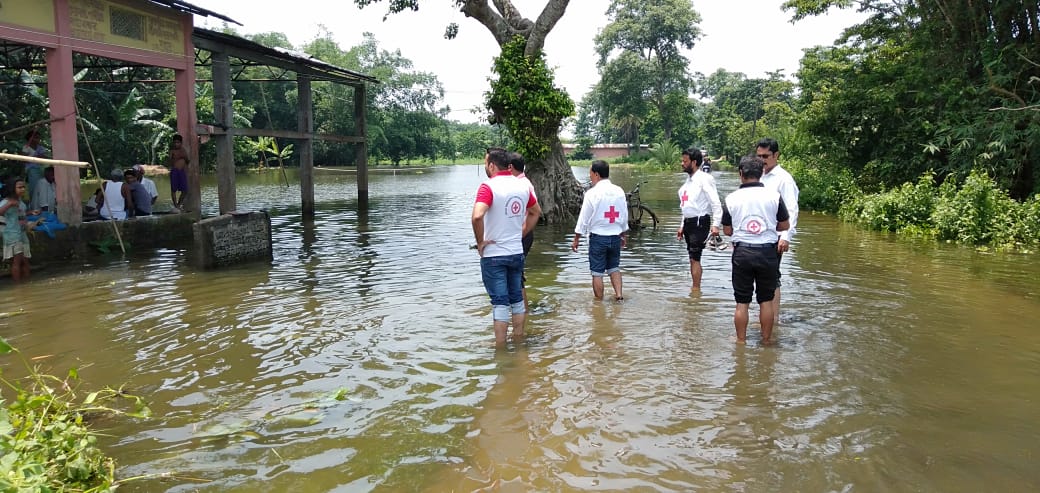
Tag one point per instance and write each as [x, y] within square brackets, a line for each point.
[495, 23]
[550, 15]
[513, 17]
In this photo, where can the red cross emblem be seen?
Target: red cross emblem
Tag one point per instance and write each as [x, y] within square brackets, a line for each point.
[754, 227]
[684, 197]
[612, 214]
[515, 207]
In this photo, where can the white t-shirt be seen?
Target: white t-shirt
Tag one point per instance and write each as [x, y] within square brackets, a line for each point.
[780, 180]
[149, 185]
[604, 210]
[752, 211]
[508, 198]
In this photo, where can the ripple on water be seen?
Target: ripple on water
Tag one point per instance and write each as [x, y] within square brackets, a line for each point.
[360, 359]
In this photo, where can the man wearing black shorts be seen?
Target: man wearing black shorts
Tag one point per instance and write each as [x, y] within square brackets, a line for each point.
[701, 211]
[754, 216]
[517, 166]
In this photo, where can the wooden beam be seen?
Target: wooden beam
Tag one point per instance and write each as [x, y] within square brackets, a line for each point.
[361, 149]
[282, 134]
[305, 114]
[223, 115]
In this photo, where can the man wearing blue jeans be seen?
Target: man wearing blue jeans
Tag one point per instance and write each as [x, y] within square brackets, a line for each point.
[604, 218]
[505, 210]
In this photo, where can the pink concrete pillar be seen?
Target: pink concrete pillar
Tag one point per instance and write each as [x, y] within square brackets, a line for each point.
[186, 118]
[61, 91]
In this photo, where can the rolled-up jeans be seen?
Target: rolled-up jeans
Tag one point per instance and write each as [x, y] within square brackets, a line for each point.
[502, 280]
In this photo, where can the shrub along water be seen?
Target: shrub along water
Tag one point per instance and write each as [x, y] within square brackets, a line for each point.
[45, 441]
[977, 212]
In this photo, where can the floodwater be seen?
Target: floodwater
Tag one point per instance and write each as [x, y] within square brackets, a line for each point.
[362, 359]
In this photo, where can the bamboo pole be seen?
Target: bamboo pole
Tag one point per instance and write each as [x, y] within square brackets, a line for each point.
[40, 160]
[104, 195]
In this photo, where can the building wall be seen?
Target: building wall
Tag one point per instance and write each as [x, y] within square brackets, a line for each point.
[602, 151]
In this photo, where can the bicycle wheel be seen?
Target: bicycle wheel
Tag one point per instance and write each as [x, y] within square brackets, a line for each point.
[643, 208]
[635, 216]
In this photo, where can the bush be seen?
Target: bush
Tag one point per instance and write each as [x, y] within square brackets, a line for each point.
[821, 188]
[44, 437]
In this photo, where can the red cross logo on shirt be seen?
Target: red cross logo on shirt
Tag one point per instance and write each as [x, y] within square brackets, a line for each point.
[612, 214]
[684, 197]
[754, 227]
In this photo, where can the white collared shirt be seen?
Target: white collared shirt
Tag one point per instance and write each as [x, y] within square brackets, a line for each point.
[699, 197]
[604, 210]
[780, 180]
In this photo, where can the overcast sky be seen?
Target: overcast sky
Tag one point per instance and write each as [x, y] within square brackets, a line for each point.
[749, 36]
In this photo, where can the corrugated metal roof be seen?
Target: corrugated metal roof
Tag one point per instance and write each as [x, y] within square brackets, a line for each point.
[295, 61]
[193, 9]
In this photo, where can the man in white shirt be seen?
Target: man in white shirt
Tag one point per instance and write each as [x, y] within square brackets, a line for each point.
[145, 182]
[604, 219]
[701, 211]
[33, 171]
[505, 209]
[777, 178]
[754, 217]
[44, 199]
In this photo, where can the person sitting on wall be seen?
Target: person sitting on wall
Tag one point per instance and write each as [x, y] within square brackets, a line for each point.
[116, 199]
[141, 200]
[147, 183]
[93, 204]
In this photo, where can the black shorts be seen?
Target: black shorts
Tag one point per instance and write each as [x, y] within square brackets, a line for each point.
[779, 257]
[695, 230]
[526, 241]
[755, 270]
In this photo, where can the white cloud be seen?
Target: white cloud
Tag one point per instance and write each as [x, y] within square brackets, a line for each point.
[749, 36]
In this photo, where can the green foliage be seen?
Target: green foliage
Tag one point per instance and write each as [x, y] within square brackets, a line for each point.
[977, 213]
[525, 99]
[665, 155]
[822, 187]
[582, 149]
[909, 205]
[944, 86]
[44, 435]
[647, 80]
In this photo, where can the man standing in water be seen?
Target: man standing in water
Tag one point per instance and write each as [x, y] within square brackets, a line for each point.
[516, 167]
[754, 216]
[777, 178]
[701, 211]
[604, 218]
[505, 210]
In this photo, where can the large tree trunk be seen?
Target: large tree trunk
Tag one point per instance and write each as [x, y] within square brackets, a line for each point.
[559, 192]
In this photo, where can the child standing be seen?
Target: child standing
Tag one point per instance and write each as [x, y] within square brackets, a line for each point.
[16, 242]
[178, 172]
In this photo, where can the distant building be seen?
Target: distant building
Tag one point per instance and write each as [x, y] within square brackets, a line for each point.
[605, 151]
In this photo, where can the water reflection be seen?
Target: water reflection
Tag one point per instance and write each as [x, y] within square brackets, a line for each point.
[361, 358]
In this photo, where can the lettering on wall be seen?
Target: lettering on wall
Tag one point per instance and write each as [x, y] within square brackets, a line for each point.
[234, 238]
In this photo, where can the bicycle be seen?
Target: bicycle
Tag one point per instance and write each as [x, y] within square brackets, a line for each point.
[636, 209]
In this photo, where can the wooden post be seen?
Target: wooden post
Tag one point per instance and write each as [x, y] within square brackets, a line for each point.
[222, 113]
[61, 91]
[305, 112]
[361, 149]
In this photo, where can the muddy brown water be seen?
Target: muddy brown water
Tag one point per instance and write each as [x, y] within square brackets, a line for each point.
[361, 359]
